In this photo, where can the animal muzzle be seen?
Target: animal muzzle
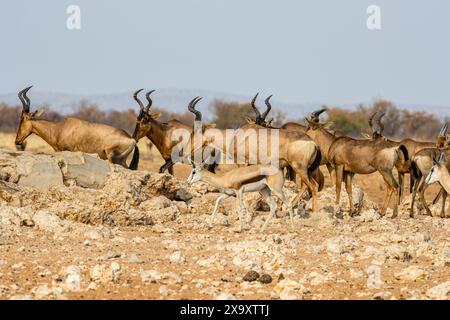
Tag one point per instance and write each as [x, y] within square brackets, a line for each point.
[20, 146]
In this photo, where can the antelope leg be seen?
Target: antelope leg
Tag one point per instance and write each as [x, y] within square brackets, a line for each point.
[422, 188]
[400, 186]
[414, 193]
[240, 198]
[166, 166]
[392, 187]
[281, 196]
[339, 176]
[273, 206]
[299, 195]
[331, 171]
[218, 200]
[444, 198]
[348, 188]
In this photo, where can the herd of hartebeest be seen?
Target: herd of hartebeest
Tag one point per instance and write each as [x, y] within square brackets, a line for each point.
[301, 150]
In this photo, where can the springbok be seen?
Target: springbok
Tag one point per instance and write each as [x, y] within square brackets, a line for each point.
[267, 180]
[421, 165]
[439, 173]
[351, 156]
[72, 134]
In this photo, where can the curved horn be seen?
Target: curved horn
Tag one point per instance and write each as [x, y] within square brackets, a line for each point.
[150, 102]
[136, 98]
[318, 112]
[378, 120]
[381, 116]
[371, 118]
[24, 99]
[315, 114]
[269, 107]
[258, 114]
[443, 131]
[141, 105]
[191, 108]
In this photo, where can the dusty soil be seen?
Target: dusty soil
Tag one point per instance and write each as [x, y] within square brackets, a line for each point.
[52, 246]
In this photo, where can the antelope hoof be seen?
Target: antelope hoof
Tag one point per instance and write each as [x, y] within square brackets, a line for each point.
[394, 215]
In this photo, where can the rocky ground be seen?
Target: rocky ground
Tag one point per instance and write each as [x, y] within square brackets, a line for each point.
[75, 227]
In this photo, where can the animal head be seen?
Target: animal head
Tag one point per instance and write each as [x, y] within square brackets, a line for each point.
[260, 119]
[26, 117]
[376, 125]
[313, 121]
[439, 163]
[441, 140]
[144, 118]
[197, 172]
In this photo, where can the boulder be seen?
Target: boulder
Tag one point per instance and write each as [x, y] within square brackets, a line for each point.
[81, 169]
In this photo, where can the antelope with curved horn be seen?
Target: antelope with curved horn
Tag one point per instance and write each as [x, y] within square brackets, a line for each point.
[403, 163]
[351, 156]
[412, 147]
[260, 119]
[267, 180]
[72, 134]
[159, 133]
[324, 138]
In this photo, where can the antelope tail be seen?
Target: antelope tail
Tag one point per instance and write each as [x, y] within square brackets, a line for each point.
[414, 170]
[404, 151]
[316, 162]
[135, 160]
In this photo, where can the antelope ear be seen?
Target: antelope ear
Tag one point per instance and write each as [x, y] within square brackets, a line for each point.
[366, 135]
[36, 114]
[155, 115]
[250, 120]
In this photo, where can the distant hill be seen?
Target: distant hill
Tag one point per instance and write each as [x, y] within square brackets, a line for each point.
[176, 100]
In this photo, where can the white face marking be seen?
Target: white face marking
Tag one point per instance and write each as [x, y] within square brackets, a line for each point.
[433, 175]
[195, 175]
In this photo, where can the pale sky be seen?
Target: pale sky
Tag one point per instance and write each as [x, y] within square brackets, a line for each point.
[302, 51]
